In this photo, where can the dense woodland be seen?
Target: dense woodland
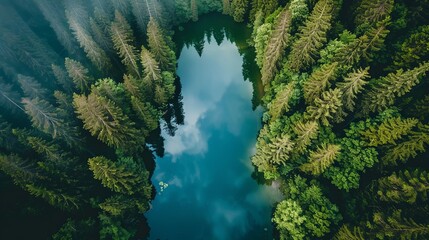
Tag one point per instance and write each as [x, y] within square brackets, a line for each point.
[345, 132]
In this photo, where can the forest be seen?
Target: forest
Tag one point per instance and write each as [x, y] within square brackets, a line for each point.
[86, 86]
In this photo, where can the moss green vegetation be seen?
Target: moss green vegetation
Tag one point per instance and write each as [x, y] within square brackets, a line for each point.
[345, 133]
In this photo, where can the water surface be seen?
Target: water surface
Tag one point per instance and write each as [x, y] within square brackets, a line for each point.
[210, 192]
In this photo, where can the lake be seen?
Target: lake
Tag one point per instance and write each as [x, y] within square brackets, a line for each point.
[204, 183]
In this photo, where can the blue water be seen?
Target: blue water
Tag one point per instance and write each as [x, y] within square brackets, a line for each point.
[210, 192]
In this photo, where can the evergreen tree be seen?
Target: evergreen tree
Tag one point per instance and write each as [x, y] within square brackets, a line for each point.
[352, 234]
[55, 198]
[323, 108]
[159, 48]
[403, 186]
[62, 78]
[388, 131]
[31, 87]
[305, 132]
[226, 7]
[276, 45]
[370, 12]
[107, 122]
[289, 219]
[280, 104]
[79, 74]
[352, 85]
[239, 9]
[123, 39]
[9, 98]
[117, 177]
[319, 81]
[321, 159]
[312, 36]
[394, 85]
[415, 143]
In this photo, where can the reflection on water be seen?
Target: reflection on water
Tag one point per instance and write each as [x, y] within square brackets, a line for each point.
[204, 184]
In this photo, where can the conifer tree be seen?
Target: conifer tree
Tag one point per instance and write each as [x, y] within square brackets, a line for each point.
[394, 85]
[305, 132]
[280, 104]
[62, 78]
[9, 98]
[415, 143]
[20, 170]
[123, 39]
[239, 9]
[370, 12]
[152, 74]
[146, 112]
[265, 7]
[45, 117]
[100, 35]
[118, 177]
[142, 13]
[79, 74]
[403, 186]
[321, 159]
[289, 219]
[312, 36]
[352, 234]
[55, 198]
[323, 108]
[388, 131]
[226, 7]
[319, 81]
[276, 45]
[31, 87]
[97, 55]
[107, 122]
[159, 48]
[352, 85]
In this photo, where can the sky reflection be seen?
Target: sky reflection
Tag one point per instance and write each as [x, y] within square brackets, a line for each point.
[211, 194]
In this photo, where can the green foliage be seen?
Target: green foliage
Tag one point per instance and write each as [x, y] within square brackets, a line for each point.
[20, 170]
[123, 39]
[353, 161]
[352, 85]
[321, 159]
[55, 198]
[414, 49]
[346, 233]
[278, 41]
[79, 74]
[388, 131]
[289, 219]
[239, 9]
[162, 53]
[280, 104]
[403, 186]
[194, 10]
[323, 108]
[312, 36]
[31, 87]
[319, 81]
[305, 132]
[387, 89]
[107, 122]
[370, 12]
[118, 177]
[112, 229]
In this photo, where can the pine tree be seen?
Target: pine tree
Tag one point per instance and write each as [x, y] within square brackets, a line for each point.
[55, 198]
[100, 35]
[21, 171]
[416, 142]
[194, 10]
[403, 186]
[107, 122]
[79, 74]
[305, 132]
[321, 159]
[45, 117]
[280, 104]
[146, 112]
[352, 234]
[117, 177]
[275, 48]
[123, 39]
[388, 131]
[62, 78]
[352, 85]
[9, 98]
[370, 12]
[31, 87]
[319, 81]
[323, 108]
[395, 226]
[265, 7]
[312, 36]
[394, 85]
[97, 55]
[239, 9]
[159, 47]
[142, 13]
[226, 7]
[152, 74]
